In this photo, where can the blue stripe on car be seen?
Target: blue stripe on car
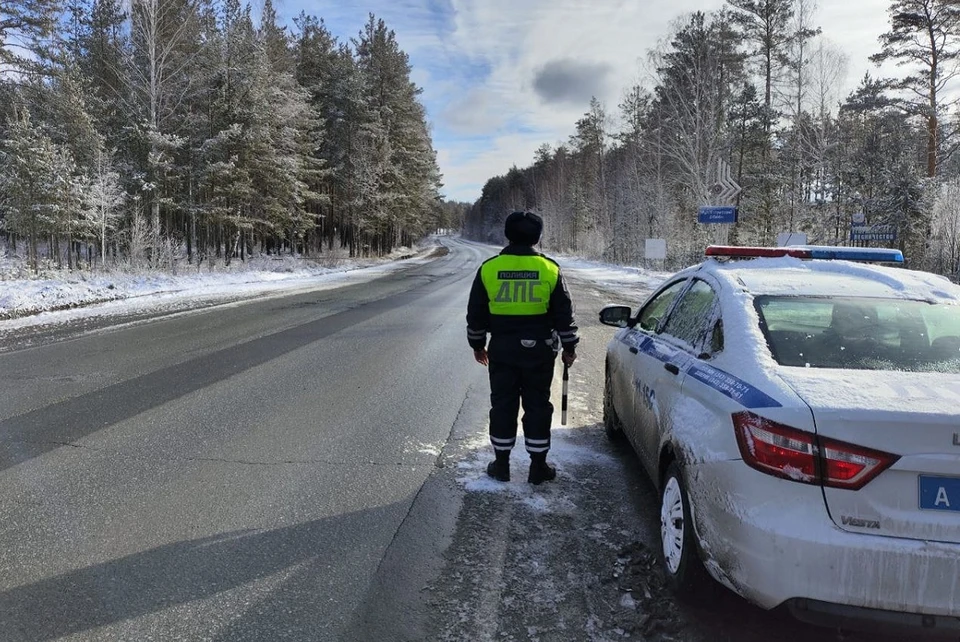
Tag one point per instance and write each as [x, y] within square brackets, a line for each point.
[722, 381]
[731, 386]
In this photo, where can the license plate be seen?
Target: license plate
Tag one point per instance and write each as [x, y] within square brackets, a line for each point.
[939, 493]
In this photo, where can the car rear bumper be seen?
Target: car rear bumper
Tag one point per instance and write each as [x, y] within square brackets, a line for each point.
[886, 623]
[772, 541]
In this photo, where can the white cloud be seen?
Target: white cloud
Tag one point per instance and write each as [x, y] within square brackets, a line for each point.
[474, 113]
[470, 165]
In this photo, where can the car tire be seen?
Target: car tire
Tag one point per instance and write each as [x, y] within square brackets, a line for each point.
[611, 423]
[683, 570]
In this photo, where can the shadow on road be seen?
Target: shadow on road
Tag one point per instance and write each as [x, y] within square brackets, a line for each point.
[161, 578]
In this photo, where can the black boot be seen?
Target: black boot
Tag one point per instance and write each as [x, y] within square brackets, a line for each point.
[499, 468]
[540, 470]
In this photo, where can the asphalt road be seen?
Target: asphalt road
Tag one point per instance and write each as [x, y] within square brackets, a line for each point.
[237, 473]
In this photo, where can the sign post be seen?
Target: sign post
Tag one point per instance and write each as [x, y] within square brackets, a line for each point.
[725, 191]
[725, 188]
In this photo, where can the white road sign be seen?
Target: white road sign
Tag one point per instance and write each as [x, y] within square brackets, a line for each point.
[655, 249]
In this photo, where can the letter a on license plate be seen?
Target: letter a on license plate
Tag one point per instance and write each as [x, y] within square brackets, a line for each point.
[939, 493]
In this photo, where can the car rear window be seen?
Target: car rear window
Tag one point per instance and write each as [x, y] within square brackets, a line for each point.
[861, 333]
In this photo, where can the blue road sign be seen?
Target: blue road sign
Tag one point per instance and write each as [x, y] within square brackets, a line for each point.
[723, 214]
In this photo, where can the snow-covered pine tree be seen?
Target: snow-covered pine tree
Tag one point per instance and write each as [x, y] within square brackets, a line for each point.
[924, 36]
[285, 135]
[37, 180]
[227, 152]
[400, 171]
[320, 68]
[25, 29]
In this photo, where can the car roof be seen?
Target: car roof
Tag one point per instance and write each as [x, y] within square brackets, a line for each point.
[787, 276]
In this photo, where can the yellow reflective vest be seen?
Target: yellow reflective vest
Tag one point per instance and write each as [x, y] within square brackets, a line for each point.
[519, 285]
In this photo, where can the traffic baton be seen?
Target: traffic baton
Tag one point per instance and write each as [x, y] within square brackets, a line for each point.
[563, 399]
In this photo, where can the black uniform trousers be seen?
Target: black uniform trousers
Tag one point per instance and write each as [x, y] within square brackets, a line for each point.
[520, 374]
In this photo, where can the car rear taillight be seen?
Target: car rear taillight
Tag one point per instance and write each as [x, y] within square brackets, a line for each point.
[850, 466]
[782, 451]
[776, 449]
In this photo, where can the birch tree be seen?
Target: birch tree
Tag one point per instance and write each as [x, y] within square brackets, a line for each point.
[161, 31]
[103, 199]
[795, 94]
[944, 256]
[692, 103]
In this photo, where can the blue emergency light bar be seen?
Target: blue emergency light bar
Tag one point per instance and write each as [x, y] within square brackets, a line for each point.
[828, 252]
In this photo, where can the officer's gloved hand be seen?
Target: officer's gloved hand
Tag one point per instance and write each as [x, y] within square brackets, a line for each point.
[568, 357]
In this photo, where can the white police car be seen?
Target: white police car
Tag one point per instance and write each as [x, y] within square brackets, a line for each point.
[800, 414]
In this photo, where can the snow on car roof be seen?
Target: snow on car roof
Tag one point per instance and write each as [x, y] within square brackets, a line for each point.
[796, 277]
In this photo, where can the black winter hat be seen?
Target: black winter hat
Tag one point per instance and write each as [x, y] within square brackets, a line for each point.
[523, 228]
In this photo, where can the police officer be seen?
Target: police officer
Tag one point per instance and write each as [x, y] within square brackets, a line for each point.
[519, 297]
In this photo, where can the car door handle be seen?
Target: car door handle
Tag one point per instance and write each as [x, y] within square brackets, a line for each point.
[672, 369]
[634, 350]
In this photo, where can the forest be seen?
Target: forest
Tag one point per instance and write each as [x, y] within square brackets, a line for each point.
[153, 131]
[754, 88]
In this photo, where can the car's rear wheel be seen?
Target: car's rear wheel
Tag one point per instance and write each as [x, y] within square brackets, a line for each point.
[683, 570]
[611, 423]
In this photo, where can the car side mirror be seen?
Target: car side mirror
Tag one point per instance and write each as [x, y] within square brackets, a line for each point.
[616, 315]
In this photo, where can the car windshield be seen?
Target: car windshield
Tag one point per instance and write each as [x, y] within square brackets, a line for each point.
[861, 333]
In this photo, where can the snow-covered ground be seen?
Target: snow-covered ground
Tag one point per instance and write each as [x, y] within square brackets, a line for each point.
[620, 278]
[59, 296]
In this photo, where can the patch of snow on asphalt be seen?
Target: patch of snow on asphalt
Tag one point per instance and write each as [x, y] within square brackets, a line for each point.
[565, 454]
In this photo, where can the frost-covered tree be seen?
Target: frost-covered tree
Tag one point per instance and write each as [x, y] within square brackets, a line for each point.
[692, 101]
[99, 47]
[944, 254]
[287, 132]
[399, 176]
[37, 183]
[103, 199]
[879, 171]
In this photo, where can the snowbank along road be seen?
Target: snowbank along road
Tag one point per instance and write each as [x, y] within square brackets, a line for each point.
[310, 467]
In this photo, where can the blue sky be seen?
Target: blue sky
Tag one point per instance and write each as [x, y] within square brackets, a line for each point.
[502, 77]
